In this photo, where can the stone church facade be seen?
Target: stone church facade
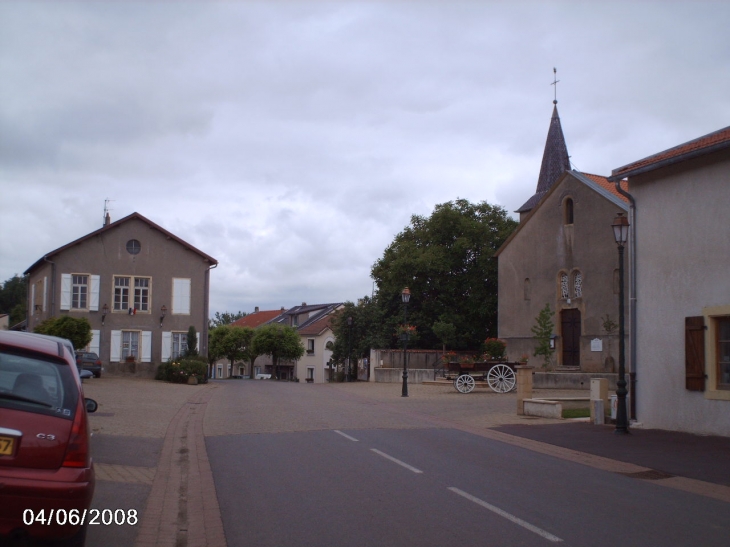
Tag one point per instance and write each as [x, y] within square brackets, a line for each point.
[563, 254]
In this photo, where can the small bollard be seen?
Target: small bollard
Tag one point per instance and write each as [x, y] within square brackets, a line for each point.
[524, 386]
[599, 392]
[598, 411]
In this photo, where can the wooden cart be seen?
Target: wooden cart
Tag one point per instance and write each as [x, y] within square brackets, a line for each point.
[499, 375]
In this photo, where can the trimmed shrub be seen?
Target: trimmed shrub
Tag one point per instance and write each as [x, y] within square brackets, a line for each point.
[180, 370]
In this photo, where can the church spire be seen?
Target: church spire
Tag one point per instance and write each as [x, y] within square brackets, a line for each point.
[555, 161]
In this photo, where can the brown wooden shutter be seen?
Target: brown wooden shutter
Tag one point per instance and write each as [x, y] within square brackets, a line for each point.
[694, 352]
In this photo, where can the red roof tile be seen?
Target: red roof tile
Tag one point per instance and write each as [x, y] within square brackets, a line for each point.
[608, 185]
[317, 327]
[256, 319]
[697, 147]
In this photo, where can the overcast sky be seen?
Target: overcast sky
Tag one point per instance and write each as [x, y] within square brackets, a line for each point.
[293, 140]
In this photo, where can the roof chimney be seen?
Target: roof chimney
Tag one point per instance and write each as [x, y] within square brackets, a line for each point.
[304, 303]
[283, 309]
[107, 220]
[256, 309]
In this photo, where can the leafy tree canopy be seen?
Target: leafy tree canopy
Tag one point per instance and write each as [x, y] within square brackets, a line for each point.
[13, 294]
[364, 334]
[233, 343]
[225, 318]
[78, 331]
[447, 262]
[279, 341]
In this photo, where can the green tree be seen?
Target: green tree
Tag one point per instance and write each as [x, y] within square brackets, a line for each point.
[543, 330]
[232, 343]
[13, 298]
[364, 334]
[192, 340]
[281, 342]
[447, 261]
[78, 331]
[445, 332]
[225, 318]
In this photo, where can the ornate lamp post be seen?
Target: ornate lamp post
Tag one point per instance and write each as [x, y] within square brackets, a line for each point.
[406, 296]
[349, 349]
[621, 234]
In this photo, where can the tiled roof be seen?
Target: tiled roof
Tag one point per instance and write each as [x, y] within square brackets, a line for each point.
[697, 147]
[555, 162]
[317, 326]
[608, 185]
[255, 319]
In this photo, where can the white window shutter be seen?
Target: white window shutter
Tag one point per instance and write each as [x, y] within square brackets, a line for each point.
[146, 346]
[45, 292]
[116, 346]
[65, 291]
[94, 290]
[95, 338]
[181, 296]
[32, 299]
[166, 346]
[197, 337]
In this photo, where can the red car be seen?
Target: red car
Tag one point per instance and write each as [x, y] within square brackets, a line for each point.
[46, 472]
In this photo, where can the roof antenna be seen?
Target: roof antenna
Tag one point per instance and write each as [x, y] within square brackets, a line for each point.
[555, 83]
[107, 216]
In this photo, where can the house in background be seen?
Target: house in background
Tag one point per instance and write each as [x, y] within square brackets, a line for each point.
[563, 254]
[682, 230]
[140, 286]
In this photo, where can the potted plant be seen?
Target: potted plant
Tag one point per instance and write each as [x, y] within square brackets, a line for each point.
[524, 358]
[494, 348]
[466, 362]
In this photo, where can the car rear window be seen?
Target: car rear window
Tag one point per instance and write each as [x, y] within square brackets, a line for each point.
[32, 383]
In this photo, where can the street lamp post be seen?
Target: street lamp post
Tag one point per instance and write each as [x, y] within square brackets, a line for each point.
[621, 234]
[349, 349]
[406, 296]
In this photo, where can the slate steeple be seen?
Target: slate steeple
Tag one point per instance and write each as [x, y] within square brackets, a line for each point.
[555, 161]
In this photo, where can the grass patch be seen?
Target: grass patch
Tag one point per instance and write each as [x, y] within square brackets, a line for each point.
[577, 413]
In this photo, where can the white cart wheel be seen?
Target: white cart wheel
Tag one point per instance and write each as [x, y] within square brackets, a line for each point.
[464, 383]
[501, 378]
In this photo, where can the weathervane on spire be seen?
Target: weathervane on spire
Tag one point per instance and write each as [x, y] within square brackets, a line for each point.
[555, 83]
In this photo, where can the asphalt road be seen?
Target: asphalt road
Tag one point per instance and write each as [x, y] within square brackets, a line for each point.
[317, 467]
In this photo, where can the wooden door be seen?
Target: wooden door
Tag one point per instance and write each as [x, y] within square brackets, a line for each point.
[570, 330]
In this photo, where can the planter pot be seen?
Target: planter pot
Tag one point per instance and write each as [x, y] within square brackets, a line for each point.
[466, 365]
[193, 381]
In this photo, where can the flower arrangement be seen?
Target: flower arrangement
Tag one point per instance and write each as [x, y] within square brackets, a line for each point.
[494, 348]
[466, 361]
[407, 330]
[524, 358]
[449, 357]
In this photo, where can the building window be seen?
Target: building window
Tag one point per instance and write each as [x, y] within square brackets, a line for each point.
[79, 291]
[121, 293]
[133, 247]
[130, 345]
[180, 296]
[568, 211]
[564, 291]
[310, 373]
[578, 284]
[722, 351]
[179, 344]
[142, 293]
[310, 346]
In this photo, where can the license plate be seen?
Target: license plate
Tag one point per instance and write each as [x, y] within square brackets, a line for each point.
[6, 446]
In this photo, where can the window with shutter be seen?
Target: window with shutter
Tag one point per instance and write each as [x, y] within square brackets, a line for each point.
[694, 351]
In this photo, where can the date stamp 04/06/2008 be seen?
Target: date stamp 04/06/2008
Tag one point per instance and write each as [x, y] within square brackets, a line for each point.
[75, 517]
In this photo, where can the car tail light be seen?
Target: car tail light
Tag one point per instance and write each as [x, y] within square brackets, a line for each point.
[77, 453]
[97, 362]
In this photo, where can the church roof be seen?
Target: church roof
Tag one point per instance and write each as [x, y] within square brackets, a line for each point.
[555, 161]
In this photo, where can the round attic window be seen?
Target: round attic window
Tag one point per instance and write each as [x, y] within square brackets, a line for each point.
[133, 247]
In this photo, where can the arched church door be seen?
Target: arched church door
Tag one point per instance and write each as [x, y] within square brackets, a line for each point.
[570, 330]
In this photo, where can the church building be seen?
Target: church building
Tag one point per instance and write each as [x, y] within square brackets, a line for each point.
[563, 254]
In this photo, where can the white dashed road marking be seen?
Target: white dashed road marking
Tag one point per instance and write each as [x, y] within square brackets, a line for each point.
[391, 458]
[345, 435]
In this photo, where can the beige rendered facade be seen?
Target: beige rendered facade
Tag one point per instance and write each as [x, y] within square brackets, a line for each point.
[682, 230]
[140, 287]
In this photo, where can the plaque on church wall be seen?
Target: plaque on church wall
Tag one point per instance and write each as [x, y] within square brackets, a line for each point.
[596, 344]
